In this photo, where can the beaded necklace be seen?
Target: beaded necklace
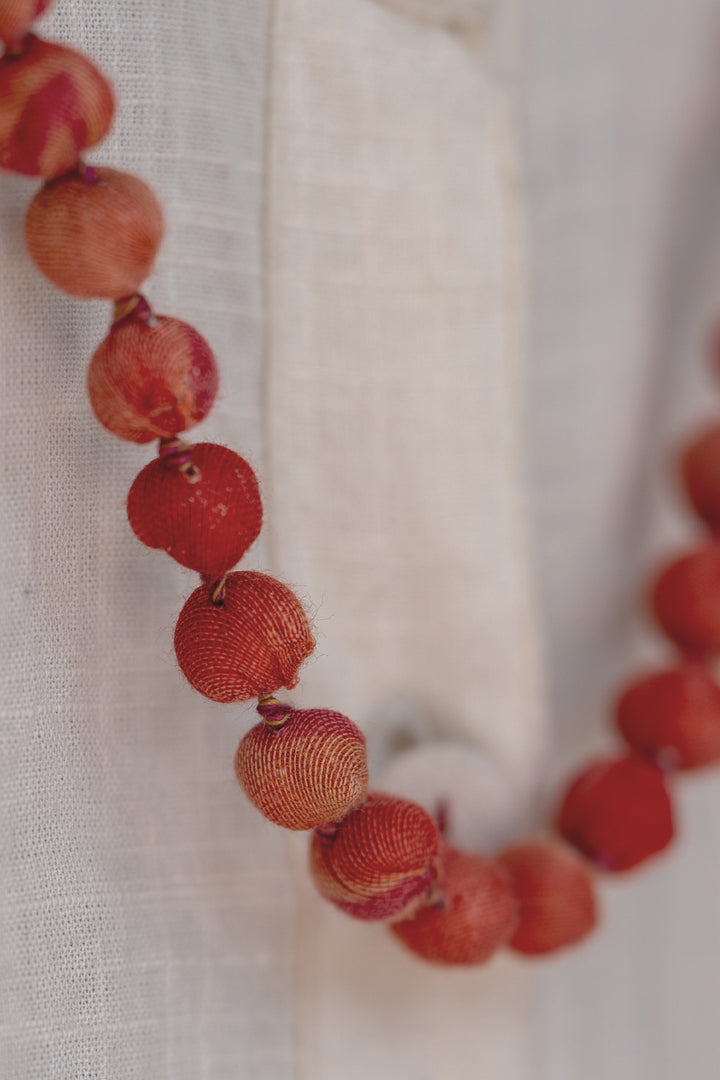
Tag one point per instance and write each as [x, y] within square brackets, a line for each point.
[243, 635]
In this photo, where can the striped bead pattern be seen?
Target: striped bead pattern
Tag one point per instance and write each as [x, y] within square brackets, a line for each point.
[152, 378]
[54, 103]
[556, 894]
[311, 770]
[250, 644]
[17, 16]
[380, 861]
[205, 521]
[474, 913]
[95, 237]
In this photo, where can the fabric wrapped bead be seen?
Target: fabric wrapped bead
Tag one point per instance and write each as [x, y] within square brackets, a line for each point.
[251, 643]
[206, 521]
[686, 601]
[310, 770]
[475, 913]
[673, 717]
[700, 467]
[17, 16]
[54, 103]
[556, 895]
[152, 378]
[95, 235]
[380, 861]
[617, 813]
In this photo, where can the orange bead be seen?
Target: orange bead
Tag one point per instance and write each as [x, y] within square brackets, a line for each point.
[686, 600]
[476, 912]
[380, 861]
[673, 717]
[251, 643]
[207, 519]
[310, 770]
[54, 103]
[700, 467]
[556, 894]
[151, 379]
[17, 16]
[95, 236]
[617, 813]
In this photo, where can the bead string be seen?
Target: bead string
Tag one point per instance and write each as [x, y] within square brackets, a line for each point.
[94, 232]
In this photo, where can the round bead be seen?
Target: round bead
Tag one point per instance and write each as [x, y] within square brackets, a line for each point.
[54, 103]
[311, 770]
[673, 717]
[556, 895]
[686, 600]
[251, 643]
[152, 380]
[617, 813]
[97, 236]
[206, 521]
[17, 16]
[475, 913]
[700, 466]
[380, 861]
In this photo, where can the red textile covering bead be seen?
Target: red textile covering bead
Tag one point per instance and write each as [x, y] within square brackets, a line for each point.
[96, 234]
[250, 644]
[205, 522]
[476, 912]
[380, 861]
[686, 600]
[152, 377]
[310, 770]
[54, 103]
[673, 716]
[17, 16]
[617, 813]
[556, 894]
[700, 467]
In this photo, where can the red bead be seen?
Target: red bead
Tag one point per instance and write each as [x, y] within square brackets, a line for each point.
[380, 861]
[475, 913]
[250, 644]
[617, 813]
[95, 235]
[152, 380]
[54, 103]
[206, 520]
[556, 894]
[700, 465]
[310, 770]
[686, 600]
[17, 16]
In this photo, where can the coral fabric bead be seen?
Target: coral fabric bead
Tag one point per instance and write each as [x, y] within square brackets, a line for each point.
[250, 644]
[476, 914]
[311, 770]
[380, 861]
[617, 813]
[206, 524]
[556, 895]
[152, 381]
[95, 237]
[54, 103]
[700, 467]
[673, 716]
[686, 600]
[17, 16]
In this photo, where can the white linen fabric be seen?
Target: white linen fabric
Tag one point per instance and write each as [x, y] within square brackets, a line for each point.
[348, 226]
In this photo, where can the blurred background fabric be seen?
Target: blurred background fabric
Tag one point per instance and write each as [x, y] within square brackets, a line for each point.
[458, 260]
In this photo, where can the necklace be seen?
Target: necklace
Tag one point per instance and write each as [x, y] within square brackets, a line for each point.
[243, 635]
